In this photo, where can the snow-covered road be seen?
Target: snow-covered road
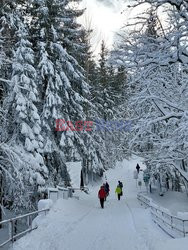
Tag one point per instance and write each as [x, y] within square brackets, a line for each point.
[82, 225]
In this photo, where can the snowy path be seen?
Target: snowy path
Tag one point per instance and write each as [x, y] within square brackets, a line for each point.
[83, 225]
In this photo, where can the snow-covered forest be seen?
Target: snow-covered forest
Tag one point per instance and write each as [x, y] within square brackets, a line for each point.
[48, 71]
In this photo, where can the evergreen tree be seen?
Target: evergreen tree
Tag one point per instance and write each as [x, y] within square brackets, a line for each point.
[72, 30]
[86, 59]
[105, 111]
[102, 88]
[21, 163]
[7, 39]
[64, 89]
[22, 104]
[25, 93]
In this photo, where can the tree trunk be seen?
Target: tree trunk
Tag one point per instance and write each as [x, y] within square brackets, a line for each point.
[1, 199]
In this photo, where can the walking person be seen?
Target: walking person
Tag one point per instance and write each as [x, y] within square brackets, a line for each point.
[138, 168]
[167, 183]
[120, 184]
[119, 192]
[106, 188]
[102, 196]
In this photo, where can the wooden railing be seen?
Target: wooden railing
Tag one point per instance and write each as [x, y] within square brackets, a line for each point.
[12, 223]
[171, 224]
[143, 199]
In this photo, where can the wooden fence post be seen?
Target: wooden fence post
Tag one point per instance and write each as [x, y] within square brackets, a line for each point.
[12, 231]
[1, 198]
[183, 228]
[171, 221]
[29, 221]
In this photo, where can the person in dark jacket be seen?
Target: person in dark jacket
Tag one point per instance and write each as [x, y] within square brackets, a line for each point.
[102, 196]
[138, 168]
[107, 188]
[120, 184]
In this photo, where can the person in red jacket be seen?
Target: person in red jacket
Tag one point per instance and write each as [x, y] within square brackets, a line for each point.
[102, 196]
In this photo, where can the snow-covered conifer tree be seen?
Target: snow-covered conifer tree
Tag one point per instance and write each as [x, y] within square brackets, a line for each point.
[22, 103]
[22, 165]
[64, 90]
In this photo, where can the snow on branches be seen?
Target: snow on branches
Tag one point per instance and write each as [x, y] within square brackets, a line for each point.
[157, 58]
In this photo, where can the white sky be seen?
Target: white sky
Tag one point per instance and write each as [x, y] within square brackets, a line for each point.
[105, 19]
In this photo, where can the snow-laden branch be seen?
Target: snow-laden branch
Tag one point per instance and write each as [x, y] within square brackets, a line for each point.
[4, 80]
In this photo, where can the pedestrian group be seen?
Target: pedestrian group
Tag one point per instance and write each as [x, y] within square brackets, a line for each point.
[105, 189]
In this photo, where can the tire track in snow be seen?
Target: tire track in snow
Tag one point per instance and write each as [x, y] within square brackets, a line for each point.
[132, 216]
[76, 223]
[101, 240]
[142, 240]
[128, 222]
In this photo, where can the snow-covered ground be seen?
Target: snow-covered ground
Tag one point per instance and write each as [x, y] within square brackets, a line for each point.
[174, 201]
[82, 225]
[173, 244]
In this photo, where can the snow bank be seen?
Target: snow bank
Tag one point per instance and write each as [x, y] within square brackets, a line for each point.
[182, 215]
[42, 204]
[173, 244]
[167, 201]
[45, 204]
[38, 220]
